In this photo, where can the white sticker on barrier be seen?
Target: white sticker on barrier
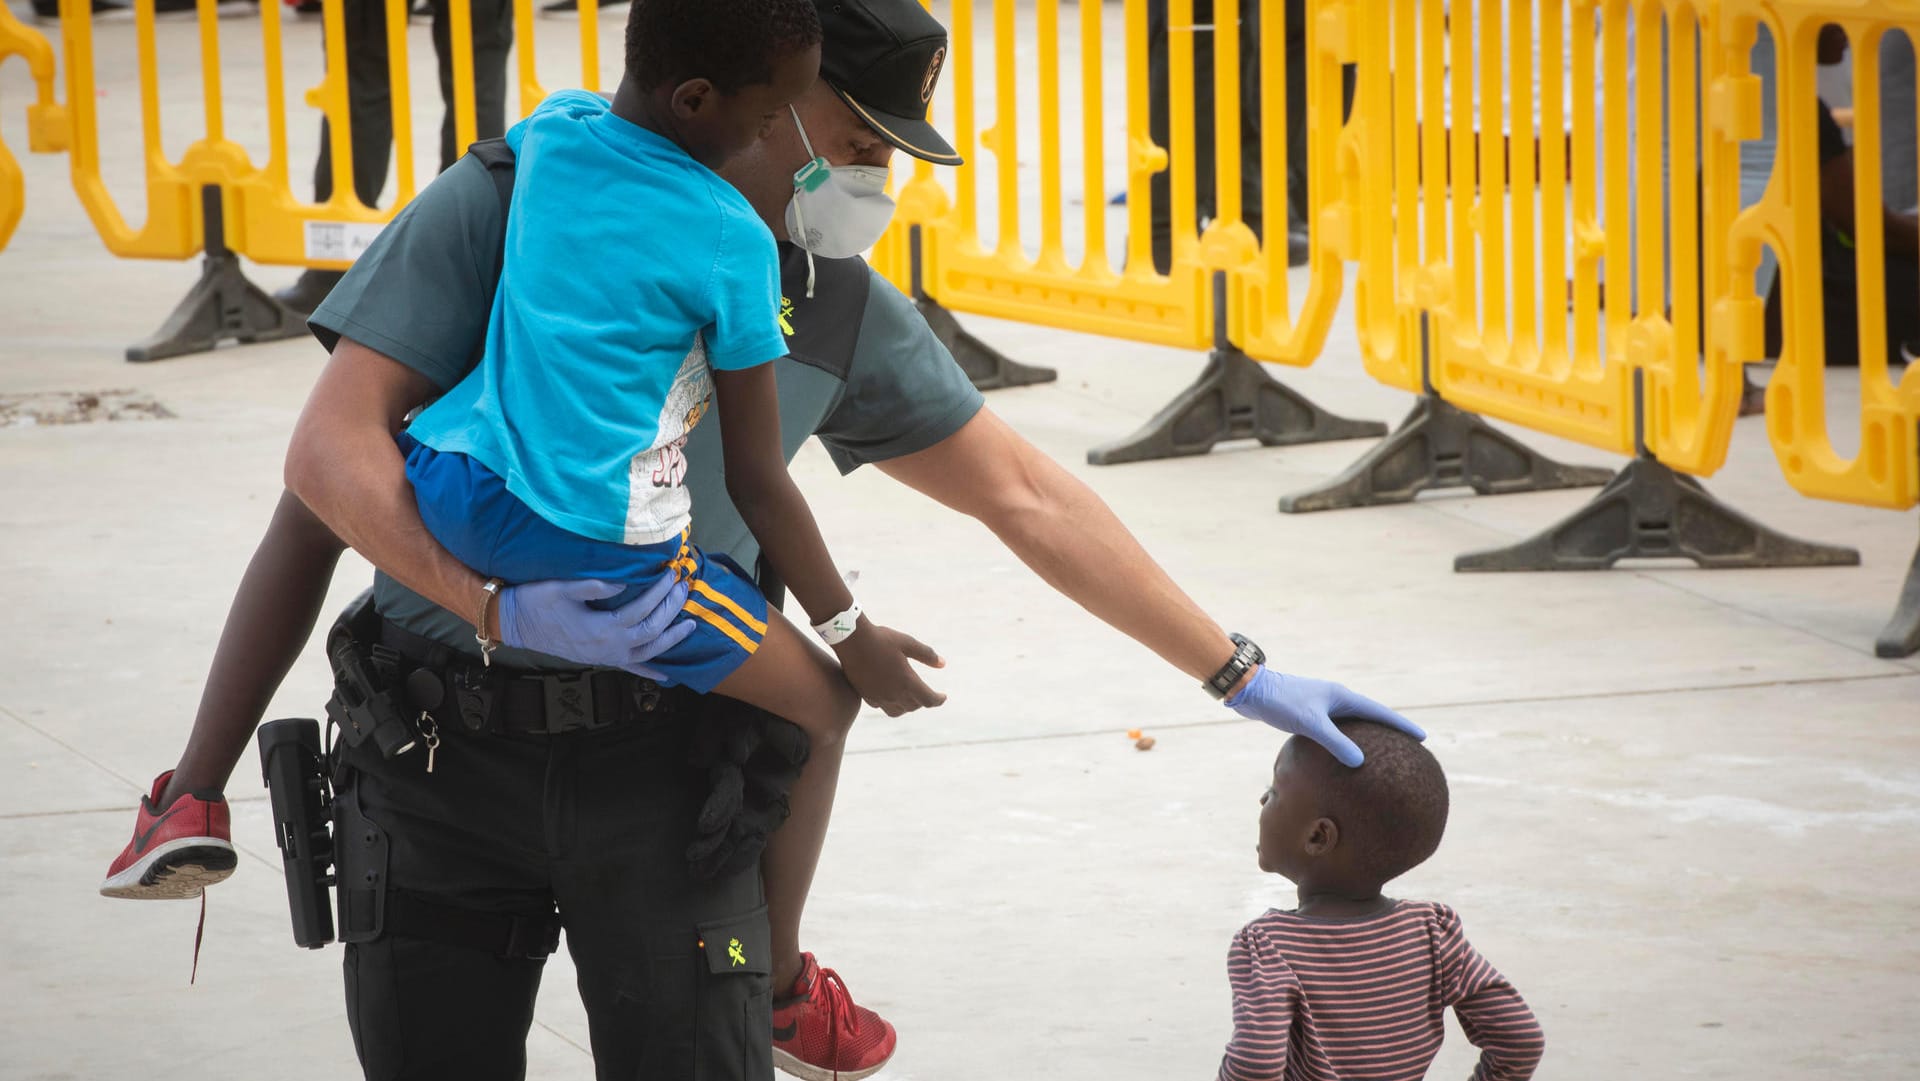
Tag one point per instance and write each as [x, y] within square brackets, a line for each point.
[340, 240]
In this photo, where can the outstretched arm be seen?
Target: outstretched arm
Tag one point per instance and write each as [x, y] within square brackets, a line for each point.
[1067, 535]
[1061, 529]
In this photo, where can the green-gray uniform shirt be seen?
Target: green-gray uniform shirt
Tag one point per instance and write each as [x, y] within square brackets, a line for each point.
[865, 372]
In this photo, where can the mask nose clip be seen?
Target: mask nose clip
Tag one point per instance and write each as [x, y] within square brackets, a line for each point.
[812, 175]
[846, 206]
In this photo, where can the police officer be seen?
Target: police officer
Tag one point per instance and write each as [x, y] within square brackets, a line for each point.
[556, 787]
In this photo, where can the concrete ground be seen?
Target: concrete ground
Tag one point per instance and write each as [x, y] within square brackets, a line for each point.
[1685, 802]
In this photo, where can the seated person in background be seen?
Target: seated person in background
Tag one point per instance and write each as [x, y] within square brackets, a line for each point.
[1352, 984]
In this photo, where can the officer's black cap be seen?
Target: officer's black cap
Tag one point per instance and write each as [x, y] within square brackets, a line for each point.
[884, 57]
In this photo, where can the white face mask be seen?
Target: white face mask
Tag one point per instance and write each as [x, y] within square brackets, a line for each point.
[837, 211]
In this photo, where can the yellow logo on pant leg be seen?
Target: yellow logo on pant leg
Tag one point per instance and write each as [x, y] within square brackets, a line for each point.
[786, 316]
[736, 952]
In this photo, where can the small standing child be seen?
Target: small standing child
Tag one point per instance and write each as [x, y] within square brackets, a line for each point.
[1351, 985]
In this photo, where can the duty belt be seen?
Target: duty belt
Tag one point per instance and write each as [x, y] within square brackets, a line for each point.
[509, 701]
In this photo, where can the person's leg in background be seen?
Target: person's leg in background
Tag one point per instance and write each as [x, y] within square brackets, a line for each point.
[370, 123]
[1900, 177]
[1903, 310]
[492, 22]
[1159, 123]
[1298, 119]
[1756, 171]
[1252, 164]
[1900, 184]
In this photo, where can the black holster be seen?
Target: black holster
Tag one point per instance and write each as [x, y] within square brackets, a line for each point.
[367, 700]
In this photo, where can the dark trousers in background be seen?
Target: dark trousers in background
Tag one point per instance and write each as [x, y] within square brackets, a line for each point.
[674, 973]
[370, 96]
[1839, 300]
[1159, 125]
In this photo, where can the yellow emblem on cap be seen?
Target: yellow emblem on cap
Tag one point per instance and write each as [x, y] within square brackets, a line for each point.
[933, 74]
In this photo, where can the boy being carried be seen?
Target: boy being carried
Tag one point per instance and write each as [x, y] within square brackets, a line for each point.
[561, 455]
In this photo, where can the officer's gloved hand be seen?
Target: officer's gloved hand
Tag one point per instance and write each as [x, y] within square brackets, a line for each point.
[752, 758]
[1308, 707]
[554, 618]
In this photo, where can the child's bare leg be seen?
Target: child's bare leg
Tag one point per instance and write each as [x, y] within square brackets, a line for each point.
[791, 678]
[272, 617]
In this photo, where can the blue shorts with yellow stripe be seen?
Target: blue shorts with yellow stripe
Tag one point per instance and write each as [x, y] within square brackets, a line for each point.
[468, 509]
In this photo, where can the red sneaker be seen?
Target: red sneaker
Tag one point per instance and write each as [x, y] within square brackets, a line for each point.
[176, 852]
[820, 1034]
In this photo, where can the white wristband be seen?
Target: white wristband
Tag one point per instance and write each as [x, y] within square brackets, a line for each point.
[841, 627]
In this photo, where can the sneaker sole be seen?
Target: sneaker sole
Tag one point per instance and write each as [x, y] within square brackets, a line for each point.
[786, 1063]
[177, 870]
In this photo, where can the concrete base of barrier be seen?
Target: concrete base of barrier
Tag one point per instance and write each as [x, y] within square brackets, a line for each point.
[1901, 638]
[989, 368]
[1234, 398]
[1439, 446]
[222, 306]
[1650, 512]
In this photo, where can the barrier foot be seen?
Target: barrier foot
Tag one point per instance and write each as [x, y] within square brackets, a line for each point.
[222, 306]
[1234, 398]
[1901, 638]
[1438, 446]
[989, 368]
[1650, 512]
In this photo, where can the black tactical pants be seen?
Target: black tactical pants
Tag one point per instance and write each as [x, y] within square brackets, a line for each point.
[673, 972]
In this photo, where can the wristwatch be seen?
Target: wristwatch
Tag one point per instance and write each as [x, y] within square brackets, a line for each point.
[1245, 656]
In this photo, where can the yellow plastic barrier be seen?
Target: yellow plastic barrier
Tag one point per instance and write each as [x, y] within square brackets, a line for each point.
[262, 217]
[1222, 288]
[1261, 319]
[1477, 172]
[1886, 470]
[1539, 194]
[998, 277]
[1554, 286]
[18, 40]
[211, 195]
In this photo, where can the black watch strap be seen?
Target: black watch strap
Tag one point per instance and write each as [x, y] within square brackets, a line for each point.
[1245, 656]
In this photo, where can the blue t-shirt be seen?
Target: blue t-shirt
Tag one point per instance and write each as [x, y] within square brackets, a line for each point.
[630, 270]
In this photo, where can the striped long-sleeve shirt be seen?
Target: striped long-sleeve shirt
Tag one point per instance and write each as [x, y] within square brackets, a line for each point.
[1362, 999]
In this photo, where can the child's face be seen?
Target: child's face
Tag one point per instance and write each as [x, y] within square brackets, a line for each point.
[1287, 818]
[722, 125]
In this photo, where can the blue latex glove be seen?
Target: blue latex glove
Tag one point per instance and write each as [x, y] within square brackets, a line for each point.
[1307, 707]
[554, 618]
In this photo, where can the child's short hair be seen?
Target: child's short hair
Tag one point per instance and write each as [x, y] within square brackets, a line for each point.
[1393, 807]
[730, 43]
